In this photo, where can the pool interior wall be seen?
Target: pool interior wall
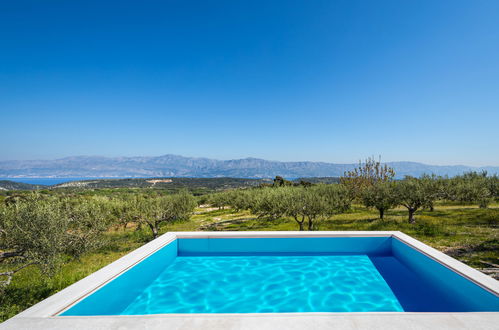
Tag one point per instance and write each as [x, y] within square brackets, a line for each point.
[409, 280]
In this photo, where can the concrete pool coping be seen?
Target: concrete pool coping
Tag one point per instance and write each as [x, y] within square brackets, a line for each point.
[44, 314]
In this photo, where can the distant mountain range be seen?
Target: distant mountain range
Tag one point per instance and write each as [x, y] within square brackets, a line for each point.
[179, 166]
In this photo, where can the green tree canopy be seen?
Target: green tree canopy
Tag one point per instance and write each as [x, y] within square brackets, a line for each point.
[380, 196]
[39, 231]
[367, 174]
[413, 193]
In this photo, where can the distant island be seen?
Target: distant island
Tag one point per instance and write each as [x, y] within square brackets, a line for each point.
[180, 166]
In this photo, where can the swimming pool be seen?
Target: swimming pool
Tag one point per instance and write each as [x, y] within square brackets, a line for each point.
[286, 275]
[276, 273]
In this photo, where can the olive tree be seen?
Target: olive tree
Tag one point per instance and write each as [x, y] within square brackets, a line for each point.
[274, 203]
[306, 205]
[474, 187]
[380, 196]
[268, 203]
[219, 199]
[241, 199]
[294, 204]
[118, 211]
[88, 218]
[39, 231]
[367, 174]
[435, 188]
[323, 201]
[279, 181]
[413, 194]
[125, 210]
[493, 186]
[155, 211]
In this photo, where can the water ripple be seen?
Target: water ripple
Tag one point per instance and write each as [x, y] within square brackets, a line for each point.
[267, 284]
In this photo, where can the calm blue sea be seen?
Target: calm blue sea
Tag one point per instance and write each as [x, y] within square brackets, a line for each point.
[50, 181]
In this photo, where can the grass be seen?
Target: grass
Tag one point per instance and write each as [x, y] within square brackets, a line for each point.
[465, 232]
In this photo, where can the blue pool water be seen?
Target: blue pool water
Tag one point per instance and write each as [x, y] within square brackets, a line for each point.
[267, 284]
[278, 275]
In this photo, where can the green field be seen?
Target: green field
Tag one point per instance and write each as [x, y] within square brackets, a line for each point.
[467, 233]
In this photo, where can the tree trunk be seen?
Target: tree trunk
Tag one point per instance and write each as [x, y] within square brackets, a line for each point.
[432, 208]
[300, 223]
[381, 214]
[154, 230]
[310, 223]
[411, 216]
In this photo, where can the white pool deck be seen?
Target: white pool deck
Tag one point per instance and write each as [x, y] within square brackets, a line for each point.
[44, 314]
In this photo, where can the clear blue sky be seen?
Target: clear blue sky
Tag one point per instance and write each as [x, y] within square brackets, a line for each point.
[286, 80]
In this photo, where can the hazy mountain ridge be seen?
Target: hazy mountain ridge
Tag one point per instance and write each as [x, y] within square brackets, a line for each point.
[179, 166]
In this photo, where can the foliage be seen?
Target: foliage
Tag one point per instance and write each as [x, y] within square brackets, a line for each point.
[380, 196]
[219, 200]
[267, 203]
[413, 194]
[314, 180]
[474, 187]
[299, 202]
[240, 199]
[40, 231]
[153, 212]
[323, 201]
[279, 181]
[365, 175]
